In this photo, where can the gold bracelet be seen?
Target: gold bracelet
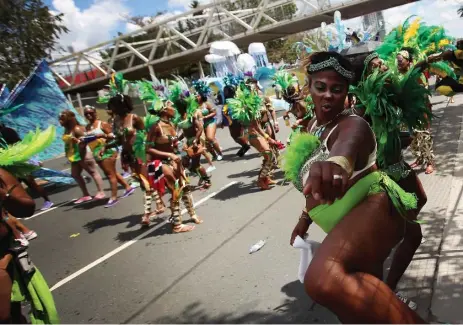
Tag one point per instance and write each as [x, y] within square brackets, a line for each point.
[342, 162]
[266, 136]
[305, 215]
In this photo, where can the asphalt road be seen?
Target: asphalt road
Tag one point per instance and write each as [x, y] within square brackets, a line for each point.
[104, 268]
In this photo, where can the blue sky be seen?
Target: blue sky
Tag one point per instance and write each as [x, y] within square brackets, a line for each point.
[137, 7]
[95, 21]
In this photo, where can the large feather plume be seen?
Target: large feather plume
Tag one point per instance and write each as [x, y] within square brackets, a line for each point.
[246, 106]
[32, 144]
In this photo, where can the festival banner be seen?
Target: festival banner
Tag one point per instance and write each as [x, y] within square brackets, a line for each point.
[40, 102]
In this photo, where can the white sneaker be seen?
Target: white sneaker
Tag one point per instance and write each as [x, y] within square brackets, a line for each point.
[31, 235]
[210, 169]
[23, 241]
[219, 158]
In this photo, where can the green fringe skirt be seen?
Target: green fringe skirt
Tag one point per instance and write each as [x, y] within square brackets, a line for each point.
[328, 216]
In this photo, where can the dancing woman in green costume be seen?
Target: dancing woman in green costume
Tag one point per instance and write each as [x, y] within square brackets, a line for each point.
[129, 132]
[246, 108]
[301, 105]
[208, 113]
[362, 210]
[17, 284]
[387, 103]
[192, 129]
[162, 148]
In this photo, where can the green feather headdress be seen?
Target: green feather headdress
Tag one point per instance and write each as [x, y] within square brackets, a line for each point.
[182, 98]
[289, 85]
[422, 39]
[148, 93]
[246, 106]
[117, 86]
[390, 101]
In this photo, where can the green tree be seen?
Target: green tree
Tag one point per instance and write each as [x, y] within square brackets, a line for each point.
[28, 33]
[283, 49]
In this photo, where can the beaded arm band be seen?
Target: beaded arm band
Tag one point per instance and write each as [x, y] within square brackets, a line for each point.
[331, 63]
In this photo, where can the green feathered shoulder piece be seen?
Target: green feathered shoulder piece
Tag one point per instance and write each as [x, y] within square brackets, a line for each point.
[376, 94]
[14, 158]
[246, 106]
[150, 120]
[139, 145]
[303, 146]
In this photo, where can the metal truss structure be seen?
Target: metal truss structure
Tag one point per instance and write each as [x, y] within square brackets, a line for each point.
[185, 38]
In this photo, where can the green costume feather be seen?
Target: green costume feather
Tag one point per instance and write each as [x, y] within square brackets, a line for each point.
[14, 158]
[442, 69]
[147, 93]
[375, 93]
[284, 79]
[150, 120]
[296, 155]
[246, 106]
[413, 99]
[422, 39]
[180, 96]
[139, 145]
[117, 85]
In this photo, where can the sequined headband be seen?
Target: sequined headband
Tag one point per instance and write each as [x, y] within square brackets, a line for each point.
[331, 63]
[370, 58]
[405, 54]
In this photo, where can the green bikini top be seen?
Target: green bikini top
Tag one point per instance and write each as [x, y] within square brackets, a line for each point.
[185, 124]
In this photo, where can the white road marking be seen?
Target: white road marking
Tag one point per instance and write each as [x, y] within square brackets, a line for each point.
[51, 209]
[130, 243]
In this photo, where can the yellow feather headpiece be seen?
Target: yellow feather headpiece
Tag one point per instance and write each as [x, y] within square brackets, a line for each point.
[412, 31]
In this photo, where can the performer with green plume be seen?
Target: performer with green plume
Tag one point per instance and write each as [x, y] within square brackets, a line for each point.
[129, 132]
[301, 105]
[246, 107]
[208, 113]
[415, 41]
[162, 148]
[362, 210]
[422, 144]
[21, 283]
[387, 101]
[448, 86]
[234, 126]
[192, 129]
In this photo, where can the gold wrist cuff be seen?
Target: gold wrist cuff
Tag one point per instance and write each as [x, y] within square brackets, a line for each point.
[305, 215]
[342, 162]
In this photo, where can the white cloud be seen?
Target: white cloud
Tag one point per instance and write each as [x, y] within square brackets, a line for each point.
[90, 26]
[130, 27]
[185, 4]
